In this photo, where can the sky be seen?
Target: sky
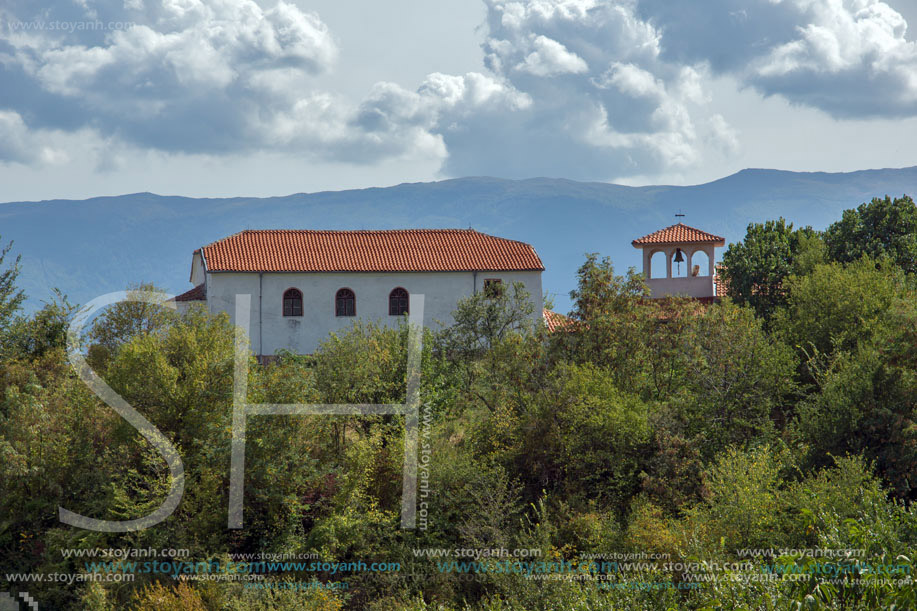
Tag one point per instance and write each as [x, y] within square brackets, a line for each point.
[215, 98]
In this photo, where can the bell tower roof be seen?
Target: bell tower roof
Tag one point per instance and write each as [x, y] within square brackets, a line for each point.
[677, 234]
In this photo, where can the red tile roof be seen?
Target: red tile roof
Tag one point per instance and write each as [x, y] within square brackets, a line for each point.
[196, 294]
[554, 321]
[679, 234]
[403, 250]
[719, 281]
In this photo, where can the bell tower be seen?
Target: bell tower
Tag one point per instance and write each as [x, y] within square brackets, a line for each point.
[680, 245]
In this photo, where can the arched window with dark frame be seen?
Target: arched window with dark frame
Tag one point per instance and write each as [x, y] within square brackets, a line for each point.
[398, 302]
[345, 303]
[292, 302]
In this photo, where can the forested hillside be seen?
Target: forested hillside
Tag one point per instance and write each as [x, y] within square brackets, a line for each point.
[91, 247]
[757, 453]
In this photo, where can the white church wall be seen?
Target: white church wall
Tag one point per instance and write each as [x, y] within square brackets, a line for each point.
[182, 307]
[302, 334]
[197, 269]
[699, 286]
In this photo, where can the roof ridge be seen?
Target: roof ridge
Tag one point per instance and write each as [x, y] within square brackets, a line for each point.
[438, 249]
[417, 230]
[678, 232]
[232, 235]
[350, 231]
[679, 224]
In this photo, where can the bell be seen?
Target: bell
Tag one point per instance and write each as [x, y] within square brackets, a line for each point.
[678, 256]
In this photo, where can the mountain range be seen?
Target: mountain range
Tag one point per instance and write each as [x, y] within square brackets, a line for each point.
[94, 246]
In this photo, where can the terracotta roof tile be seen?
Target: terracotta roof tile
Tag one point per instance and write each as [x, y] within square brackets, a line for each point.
[720, 282]
[554, 321]
[405, 250]
[196, 294]
[679, 234]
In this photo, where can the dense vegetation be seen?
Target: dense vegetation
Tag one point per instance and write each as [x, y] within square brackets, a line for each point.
[783, 419]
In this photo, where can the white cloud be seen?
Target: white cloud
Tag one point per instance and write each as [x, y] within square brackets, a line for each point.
[591, 89]
[189, 76]
[850, 58]
[14, 137]
[550, 58]
[399, 121]
[603, 101]
[634, 81]
[229, 76]
[723, 134]
[19, 144]
[619, 87]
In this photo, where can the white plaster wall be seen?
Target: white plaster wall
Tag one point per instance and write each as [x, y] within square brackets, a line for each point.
[183, 306]
[302, 334]
[669, 251]
[692, 286]
[698, 286]
[197, 269]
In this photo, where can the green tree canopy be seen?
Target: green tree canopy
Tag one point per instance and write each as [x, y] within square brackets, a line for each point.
[612, 315]
[10, 297]
[485, 318]
[856, 324]
[123, 321]
[739, 379]
[882, 228]
[755, 268]
[837, 306]
[44, 331]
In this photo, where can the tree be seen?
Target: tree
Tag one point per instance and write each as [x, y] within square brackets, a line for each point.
[866, 399]
[600, 292]
[596, 436]
[10, 297]
[836, 306]
[754, 269]
[487, 317]
[865, 405]
[44, 331]
[612, 318]
[123, 321]
[882, 228]
[742, 509]
[739, 379]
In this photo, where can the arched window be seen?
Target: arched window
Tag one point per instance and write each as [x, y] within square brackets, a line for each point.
[345, 303]
[657, 265]
[700, 261]
[292, 302]
[680, 264]
[398, 302]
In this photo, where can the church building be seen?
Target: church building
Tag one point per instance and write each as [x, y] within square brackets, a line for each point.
[305, 284]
